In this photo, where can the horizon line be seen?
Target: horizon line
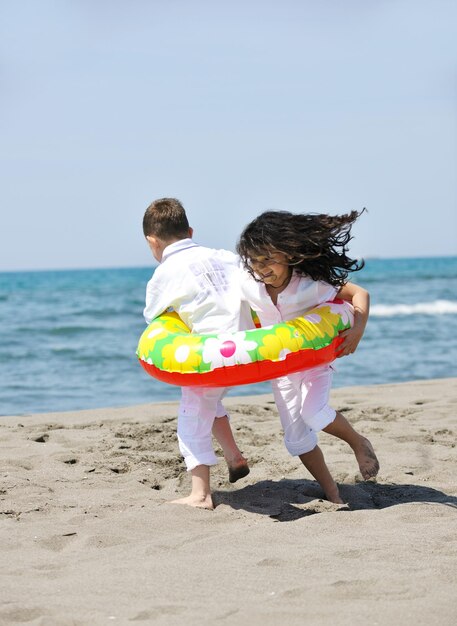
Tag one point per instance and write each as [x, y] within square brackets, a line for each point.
[155, 264]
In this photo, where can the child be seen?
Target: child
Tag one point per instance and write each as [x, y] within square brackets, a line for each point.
[202, 286]
[294, 263]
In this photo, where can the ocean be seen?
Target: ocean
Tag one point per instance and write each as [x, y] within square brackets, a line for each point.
[68, 338]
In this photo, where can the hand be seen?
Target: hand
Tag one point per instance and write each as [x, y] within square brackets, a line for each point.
[351, 338]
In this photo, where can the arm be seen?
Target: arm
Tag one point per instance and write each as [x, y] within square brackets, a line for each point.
[360, 300]
[156, 300]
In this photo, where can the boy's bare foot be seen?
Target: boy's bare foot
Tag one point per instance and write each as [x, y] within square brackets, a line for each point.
[200, 502]
[237, 466]
[367, 459]
[238, 471]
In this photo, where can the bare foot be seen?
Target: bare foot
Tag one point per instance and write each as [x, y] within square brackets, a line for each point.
[200, 502]
[334, 496]
[367, 459]
[237, 466]
[238, 471]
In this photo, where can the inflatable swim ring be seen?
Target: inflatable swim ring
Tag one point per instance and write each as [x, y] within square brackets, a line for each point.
[168, 351]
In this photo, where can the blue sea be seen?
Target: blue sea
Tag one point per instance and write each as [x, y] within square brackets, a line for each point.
[68, 338]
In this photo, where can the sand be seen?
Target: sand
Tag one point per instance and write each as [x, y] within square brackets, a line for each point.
[88, 536]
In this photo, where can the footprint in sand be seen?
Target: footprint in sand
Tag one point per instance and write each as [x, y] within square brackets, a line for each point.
[42, 438]
[271, 562]
[56, 543]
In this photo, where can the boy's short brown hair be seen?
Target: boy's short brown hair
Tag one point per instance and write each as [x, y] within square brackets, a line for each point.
[166, 219]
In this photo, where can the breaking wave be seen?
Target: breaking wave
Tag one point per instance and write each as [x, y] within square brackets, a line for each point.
[437, 307]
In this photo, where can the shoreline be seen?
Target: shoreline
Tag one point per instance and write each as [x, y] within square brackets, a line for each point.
[89, 537]
[122, 411]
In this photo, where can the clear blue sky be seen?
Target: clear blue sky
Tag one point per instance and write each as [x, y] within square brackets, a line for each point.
[233, 107]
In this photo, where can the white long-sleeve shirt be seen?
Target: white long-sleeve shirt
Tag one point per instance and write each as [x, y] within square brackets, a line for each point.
[301, 294]
[202, 285]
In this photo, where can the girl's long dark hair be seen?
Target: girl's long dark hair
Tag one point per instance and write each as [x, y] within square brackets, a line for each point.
[316, 243]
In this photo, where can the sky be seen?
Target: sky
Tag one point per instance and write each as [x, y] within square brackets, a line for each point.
[234, 107]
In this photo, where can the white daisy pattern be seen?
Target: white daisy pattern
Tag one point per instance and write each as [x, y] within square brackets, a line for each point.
[227, 349]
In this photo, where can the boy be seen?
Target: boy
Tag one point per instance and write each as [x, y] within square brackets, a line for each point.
[202, 286]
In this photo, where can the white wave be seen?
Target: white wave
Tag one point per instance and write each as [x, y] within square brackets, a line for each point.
[437, 307]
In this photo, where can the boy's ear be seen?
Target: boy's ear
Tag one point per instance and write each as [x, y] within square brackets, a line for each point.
[151, 239]
[191, 232]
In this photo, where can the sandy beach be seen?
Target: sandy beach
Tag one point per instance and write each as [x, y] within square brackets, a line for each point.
[89, 538]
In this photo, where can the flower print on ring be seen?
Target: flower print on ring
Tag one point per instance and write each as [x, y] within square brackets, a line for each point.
[278, 345]
[228, 349]
[182, 354]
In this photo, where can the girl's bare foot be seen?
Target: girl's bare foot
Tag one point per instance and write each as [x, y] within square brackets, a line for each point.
[363, 450]
[200, 502]
[367, 459]
[315, 464]
[333, 495]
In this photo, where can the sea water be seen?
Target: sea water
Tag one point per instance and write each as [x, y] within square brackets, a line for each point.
[68, 338]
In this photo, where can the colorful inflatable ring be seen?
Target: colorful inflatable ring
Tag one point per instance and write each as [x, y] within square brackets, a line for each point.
[169, 352]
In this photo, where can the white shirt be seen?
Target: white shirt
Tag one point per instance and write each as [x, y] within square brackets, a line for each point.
[202, 285]
[301, 294]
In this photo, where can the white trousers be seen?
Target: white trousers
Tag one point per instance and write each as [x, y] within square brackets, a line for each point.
[198, 409]
[302, 401]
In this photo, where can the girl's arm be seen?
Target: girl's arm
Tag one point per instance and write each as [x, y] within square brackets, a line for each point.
[360, 300]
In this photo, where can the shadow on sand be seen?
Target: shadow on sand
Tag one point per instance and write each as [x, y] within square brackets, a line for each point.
[288, 500]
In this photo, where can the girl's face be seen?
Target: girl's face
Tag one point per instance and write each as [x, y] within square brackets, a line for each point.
[271, 268]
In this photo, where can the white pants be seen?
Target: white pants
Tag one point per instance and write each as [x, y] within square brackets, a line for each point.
[302, 401]
[198, 408]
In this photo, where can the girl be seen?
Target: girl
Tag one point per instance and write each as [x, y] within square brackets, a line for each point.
[295, 262]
